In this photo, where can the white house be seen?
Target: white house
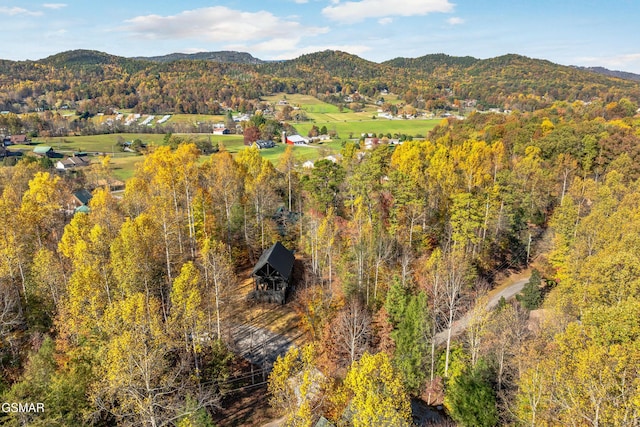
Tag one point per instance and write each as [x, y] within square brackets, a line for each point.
[71, 163]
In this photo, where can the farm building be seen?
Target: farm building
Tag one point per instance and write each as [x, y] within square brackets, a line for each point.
[261, 144]
[19, 139]
[71, 163]
[296, 140]
[272, 275]
[44, 151]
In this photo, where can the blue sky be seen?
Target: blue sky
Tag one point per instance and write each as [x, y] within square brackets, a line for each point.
[569, 32]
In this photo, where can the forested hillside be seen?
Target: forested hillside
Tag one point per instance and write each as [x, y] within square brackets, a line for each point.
[121, 316]
[93, 82]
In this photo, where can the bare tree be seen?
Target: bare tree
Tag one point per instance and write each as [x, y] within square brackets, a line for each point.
[506, 332]
[351, 332]
[219, 279]
[449, 272]
[10, 314]
[384, 251]
[477, 328]
[10, 310]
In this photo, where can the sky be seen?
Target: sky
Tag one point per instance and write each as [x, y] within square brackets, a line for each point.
[567, 32]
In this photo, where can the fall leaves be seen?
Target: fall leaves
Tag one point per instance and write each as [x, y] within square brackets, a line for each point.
[135, 291]
[588, 372]
[398, 243]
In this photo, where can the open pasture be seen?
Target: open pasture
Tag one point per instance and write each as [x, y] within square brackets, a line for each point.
[347, 123]
[353, 129]
[107, 143]
[194, 119]
[306, 102]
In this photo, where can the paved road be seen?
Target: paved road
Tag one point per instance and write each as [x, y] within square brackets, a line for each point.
[508, 293]
[461, 324]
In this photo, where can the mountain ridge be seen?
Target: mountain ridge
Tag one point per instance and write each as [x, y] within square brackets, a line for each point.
[216, 56]
[611, 73]
[428, 62]
[97, 81]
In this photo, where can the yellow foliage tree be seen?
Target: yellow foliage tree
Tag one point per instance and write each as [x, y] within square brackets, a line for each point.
[296, 386]
[373, 393]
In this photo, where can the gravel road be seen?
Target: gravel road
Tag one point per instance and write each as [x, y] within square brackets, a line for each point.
[258, 345]
[461, 324]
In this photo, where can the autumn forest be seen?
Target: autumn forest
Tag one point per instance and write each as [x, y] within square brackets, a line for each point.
[123, 315]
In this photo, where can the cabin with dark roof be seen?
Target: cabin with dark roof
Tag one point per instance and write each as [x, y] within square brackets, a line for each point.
[79, 201]
[272, 275]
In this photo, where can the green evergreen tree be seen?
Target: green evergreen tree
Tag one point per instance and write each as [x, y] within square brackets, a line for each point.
[407, 315]
[531, 295]
[471, 400]
[411, 343]
[396, 302]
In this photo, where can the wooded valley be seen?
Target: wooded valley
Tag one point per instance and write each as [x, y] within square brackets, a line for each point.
[122, 315]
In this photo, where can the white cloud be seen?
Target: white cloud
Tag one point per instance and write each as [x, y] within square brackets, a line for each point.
[280, 45]
[354, 11]
[13, 11]
[455, 21]
[218, 24]
[56, 34]
[301, 1]
[54, 5]
[385, 21]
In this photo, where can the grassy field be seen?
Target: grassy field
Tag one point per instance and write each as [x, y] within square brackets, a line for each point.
[195, 118]
[347, 123]
[353, 129]
[301, 153]
[308, 103]
[124, 166]
[95, 143]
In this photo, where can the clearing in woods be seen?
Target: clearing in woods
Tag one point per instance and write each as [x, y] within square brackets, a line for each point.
[258, 332]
